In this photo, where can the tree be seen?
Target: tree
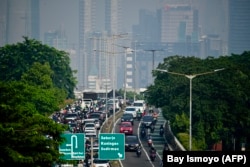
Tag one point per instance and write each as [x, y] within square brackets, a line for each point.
[24, 130]
[40, 76]
[220, 100]
[16, 59]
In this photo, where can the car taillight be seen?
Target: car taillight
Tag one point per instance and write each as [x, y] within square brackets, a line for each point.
[130, 129]
[121, 128]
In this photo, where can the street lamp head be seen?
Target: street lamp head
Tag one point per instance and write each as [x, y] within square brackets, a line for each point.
[219, 69]
[161, 70]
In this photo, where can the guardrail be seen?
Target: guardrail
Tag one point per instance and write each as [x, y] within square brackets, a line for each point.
[171, 139]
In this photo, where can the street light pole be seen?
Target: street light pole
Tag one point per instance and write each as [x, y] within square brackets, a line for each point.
[190, 77]
[127, 50]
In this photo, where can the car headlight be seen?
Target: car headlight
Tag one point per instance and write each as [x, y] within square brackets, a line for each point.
[136, 145]
[131, 119]
[122, 119]
[126, 144]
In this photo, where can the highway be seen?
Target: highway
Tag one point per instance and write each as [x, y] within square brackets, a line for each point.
[131, 158]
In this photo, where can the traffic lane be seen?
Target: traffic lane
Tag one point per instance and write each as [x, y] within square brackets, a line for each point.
[157, 160]
[131, 158]
[144, 143]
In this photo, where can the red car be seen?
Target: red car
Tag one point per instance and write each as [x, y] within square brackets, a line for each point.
[126, 127]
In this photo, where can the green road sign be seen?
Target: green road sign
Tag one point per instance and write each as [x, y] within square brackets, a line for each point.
[73, 148]
[111, 146]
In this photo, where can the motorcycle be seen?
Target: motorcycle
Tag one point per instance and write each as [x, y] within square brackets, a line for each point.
[138, 152]
[152, 156]
[150, 142]
[139, 115]
[143, 133]
[161, 132]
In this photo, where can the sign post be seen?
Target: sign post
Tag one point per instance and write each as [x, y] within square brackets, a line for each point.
[73, 148]
[111, 146]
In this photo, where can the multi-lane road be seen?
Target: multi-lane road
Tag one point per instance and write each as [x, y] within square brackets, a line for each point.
[131, 158]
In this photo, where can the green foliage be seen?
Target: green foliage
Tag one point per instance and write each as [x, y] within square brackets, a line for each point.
[181, 123]
[18, 58]
[220, 101]
[23, 129]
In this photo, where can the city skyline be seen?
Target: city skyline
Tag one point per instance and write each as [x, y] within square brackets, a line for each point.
[66, 16]
[198, 28]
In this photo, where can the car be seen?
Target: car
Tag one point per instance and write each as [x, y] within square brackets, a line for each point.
[70, 117]
[147, 120]
[94, 115]
[126, 128]
[102, 115]
[95, 121]
[131, 110]
[101, 163]
[127, 117]
[90, 134]
[131, 142]
[110, 103]
[89, 127]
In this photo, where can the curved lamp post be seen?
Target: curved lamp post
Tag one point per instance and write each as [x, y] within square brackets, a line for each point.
[190, 77]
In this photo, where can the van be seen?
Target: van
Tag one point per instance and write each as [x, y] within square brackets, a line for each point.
[140, 104]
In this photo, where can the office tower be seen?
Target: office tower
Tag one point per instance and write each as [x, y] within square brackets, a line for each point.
[22, 19]
[113, 29]
[113, 16]
[56, 39]
[86, 27]
[35, 19]
[239, 23]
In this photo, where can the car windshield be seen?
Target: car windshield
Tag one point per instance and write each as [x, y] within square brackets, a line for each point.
[127, 115]
[90, 125]
[131, 139]
[138, 104]
[147, 118]
[126, 125]
[71, 115]
[130, 109]
[94, 116]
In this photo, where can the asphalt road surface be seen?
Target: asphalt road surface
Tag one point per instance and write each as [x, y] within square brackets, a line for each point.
[131, 159]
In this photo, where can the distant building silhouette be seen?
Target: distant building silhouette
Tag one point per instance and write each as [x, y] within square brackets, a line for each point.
[239, 23]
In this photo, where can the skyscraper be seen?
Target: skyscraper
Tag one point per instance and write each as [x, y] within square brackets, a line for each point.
[112, 16]
[239, 23]
[86, 27]
[22, 19]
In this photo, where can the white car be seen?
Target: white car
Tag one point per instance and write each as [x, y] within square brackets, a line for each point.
[96, 122]
[131, 110]
[101, 163]
[89, 127]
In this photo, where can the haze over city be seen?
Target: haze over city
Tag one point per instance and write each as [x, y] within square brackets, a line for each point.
[198, 28]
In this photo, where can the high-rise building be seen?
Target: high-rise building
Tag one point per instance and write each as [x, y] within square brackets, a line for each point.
[22, 19]
[56, 39]
[112, 16]
[239, 23]
[86, 27]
